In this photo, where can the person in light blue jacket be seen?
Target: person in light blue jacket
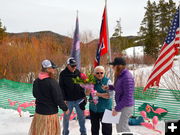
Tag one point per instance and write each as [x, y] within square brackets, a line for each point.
[124, 91]
[104, 102]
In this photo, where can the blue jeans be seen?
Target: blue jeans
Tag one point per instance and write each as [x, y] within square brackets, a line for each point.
[80, 115]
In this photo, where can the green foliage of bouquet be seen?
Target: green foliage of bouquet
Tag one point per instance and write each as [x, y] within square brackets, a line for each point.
[85, 79]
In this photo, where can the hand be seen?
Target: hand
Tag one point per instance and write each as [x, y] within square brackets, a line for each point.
[105, 87]
[65, 102]
[114, 113]
[103, 95]
[66, 112]
[88, 91]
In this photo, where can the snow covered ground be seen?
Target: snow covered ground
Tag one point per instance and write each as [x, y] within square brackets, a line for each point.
[134, 51]
[12, 124]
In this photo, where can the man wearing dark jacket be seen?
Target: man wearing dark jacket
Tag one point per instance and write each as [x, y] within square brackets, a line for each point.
[73, 95]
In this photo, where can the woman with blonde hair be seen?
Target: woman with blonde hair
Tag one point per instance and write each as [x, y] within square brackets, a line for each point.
[104, 102]
[124, 91]
[48, 96]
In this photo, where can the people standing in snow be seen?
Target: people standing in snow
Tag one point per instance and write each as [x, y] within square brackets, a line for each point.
[73, 95]
[124, 91]
[104, 102]
[48, 97]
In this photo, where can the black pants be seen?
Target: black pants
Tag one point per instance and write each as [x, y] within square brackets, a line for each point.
[96, 119]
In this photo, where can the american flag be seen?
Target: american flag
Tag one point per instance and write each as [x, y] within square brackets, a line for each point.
[103, 39]
[169, 49]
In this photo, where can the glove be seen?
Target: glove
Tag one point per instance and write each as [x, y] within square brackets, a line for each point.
[82, 104]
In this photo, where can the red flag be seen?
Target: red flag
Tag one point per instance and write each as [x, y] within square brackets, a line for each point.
[103, 39]
[165, 60]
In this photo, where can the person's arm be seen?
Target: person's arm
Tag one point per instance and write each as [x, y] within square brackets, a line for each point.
[58, 96]
[61, 84]
[103, 95]
[128, 86]
[34, 88]
[109, 86]
[87, 92]
[110, 92]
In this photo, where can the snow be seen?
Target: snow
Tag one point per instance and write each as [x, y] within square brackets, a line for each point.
[142, 72]
[137, 51]
[12, 124]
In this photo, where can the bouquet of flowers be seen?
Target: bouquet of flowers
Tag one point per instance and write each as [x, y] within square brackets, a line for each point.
[87, 82]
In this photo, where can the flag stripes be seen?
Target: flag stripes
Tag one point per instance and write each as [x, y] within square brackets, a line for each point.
[165, 60]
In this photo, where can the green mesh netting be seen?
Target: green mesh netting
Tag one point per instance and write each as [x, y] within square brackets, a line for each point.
[15, 91]
[162, 98]
[150, 94]
[22, 92]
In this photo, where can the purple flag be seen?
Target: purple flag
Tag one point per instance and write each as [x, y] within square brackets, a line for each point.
[75, 51]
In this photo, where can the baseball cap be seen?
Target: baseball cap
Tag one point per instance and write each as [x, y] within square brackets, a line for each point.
[48, 64]
[71, 61]
[118, 61]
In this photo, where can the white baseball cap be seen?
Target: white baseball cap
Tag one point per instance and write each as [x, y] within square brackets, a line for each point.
[48, 64]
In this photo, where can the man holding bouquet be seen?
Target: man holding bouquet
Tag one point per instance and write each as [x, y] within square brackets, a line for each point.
[73, 94]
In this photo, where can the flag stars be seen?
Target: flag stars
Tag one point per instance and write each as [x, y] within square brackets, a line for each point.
[173, 28]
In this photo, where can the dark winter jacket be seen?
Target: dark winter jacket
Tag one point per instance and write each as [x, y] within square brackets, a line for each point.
[48, 96]
[71, 91]
[124, 90]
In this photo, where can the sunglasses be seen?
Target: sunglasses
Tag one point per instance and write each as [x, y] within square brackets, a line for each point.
[99, 73]
[73, 66]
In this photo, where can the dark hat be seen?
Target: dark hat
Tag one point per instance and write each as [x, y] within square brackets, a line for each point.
[48, 64]
[71, 61]
[82, 104]
[118, 61]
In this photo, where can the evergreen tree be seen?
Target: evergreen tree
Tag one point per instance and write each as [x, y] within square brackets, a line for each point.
[166, 12]
[118, 29]
[149, 30]
[119, 43]
[2, 32]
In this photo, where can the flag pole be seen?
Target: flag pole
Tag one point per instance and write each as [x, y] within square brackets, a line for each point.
[109, 44]
[77, 13]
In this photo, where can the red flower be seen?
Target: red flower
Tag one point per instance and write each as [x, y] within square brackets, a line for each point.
[83, 76]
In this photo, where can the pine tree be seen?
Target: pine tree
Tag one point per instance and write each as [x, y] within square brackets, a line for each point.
[149, 30]
[118, 29]
[155, 25]
[166, 12]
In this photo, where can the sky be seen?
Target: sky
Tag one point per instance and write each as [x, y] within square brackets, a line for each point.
[59, 15]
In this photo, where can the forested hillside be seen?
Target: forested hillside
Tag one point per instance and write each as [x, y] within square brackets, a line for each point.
[21, 53]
